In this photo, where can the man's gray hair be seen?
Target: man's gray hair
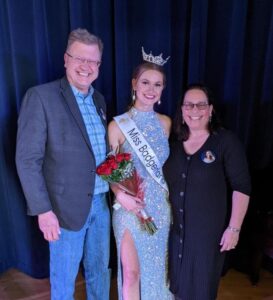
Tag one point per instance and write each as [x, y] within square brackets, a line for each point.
[83, 36]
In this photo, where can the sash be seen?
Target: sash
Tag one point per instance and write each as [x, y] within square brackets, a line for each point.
[143, 150]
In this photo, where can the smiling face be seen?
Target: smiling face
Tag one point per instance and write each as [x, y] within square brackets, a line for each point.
[81, 73]
[196, 110]
[148, 87]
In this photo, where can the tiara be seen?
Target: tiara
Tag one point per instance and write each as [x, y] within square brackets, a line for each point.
[158, 60]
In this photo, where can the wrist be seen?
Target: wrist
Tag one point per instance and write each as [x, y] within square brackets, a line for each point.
[233, 229]
[119, 193]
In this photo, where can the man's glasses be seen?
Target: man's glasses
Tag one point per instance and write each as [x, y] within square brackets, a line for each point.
[81, 60]
[199, 105]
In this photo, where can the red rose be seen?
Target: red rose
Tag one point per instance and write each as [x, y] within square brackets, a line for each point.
[127, 156]
[119, 157]
[109, 160]
[104, 169]
[108, 171]
[112, 164]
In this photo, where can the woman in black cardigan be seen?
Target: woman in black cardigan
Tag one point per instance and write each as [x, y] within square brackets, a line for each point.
[205, 161]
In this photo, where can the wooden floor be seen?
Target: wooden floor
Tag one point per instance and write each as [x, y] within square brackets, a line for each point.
[234, 286]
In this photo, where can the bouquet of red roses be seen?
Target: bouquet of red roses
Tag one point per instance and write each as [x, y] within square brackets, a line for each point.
[119, 169]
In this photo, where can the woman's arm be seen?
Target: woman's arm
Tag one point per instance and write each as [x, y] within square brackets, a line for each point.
[230, 237]
[239, 207]
[128, 202]
[166, 123]
[115, 136]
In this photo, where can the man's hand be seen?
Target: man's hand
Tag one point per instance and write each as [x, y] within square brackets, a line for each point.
[49, 225]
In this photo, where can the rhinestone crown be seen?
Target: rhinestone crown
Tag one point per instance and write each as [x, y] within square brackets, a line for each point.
[158, 60]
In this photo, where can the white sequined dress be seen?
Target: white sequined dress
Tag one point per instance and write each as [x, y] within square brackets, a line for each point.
[151, 249]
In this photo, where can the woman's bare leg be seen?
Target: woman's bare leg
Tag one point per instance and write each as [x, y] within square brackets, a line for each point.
[130, 268]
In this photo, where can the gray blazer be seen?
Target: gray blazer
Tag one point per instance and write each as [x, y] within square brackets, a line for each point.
[54, 157]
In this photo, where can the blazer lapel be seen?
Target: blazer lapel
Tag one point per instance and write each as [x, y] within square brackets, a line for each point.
[100, 111]
[74, 109]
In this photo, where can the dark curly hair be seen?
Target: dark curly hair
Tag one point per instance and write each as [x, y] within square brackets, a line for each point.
[180, 130]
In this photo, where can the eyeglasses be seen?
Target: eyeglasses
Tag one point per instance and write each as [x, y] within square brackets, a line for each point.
[199, 105]
[81, 60]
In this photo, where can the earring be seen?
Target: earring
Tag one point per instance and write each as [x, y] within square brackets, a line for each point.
[159, 102]
[210, 118]
[134, 96]
[183, 121]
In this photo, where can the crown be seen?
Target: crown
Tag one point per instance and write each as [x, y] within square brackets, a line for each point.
[158, 60]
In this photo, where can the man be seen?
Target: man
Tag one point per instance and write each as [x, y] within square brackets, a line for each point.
[61, 139]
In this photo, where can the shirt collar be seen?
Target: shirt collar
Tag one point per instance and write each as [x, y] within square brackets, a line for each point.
[77, 93]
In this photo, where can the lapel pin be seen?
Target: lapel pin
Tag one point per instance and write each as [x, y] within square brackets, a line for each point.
[102, 114]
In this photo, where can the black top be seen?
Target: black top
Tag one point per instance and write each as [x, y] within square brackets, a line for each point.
[198, 186]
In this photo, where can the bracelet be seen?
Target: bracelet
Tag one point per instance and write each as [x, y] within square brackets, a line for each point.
[233, 229]
[116, 206]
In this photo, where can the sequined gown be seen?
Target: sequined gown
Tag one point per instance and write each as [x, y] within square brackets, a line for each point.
[151, 249]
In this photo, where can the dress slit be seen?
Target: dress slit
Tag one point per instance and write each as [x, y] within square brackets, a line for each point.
[127, 231]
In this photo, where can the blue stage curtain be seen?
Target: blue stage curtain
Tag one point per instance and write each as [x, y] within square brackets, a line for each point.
[227, 45]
